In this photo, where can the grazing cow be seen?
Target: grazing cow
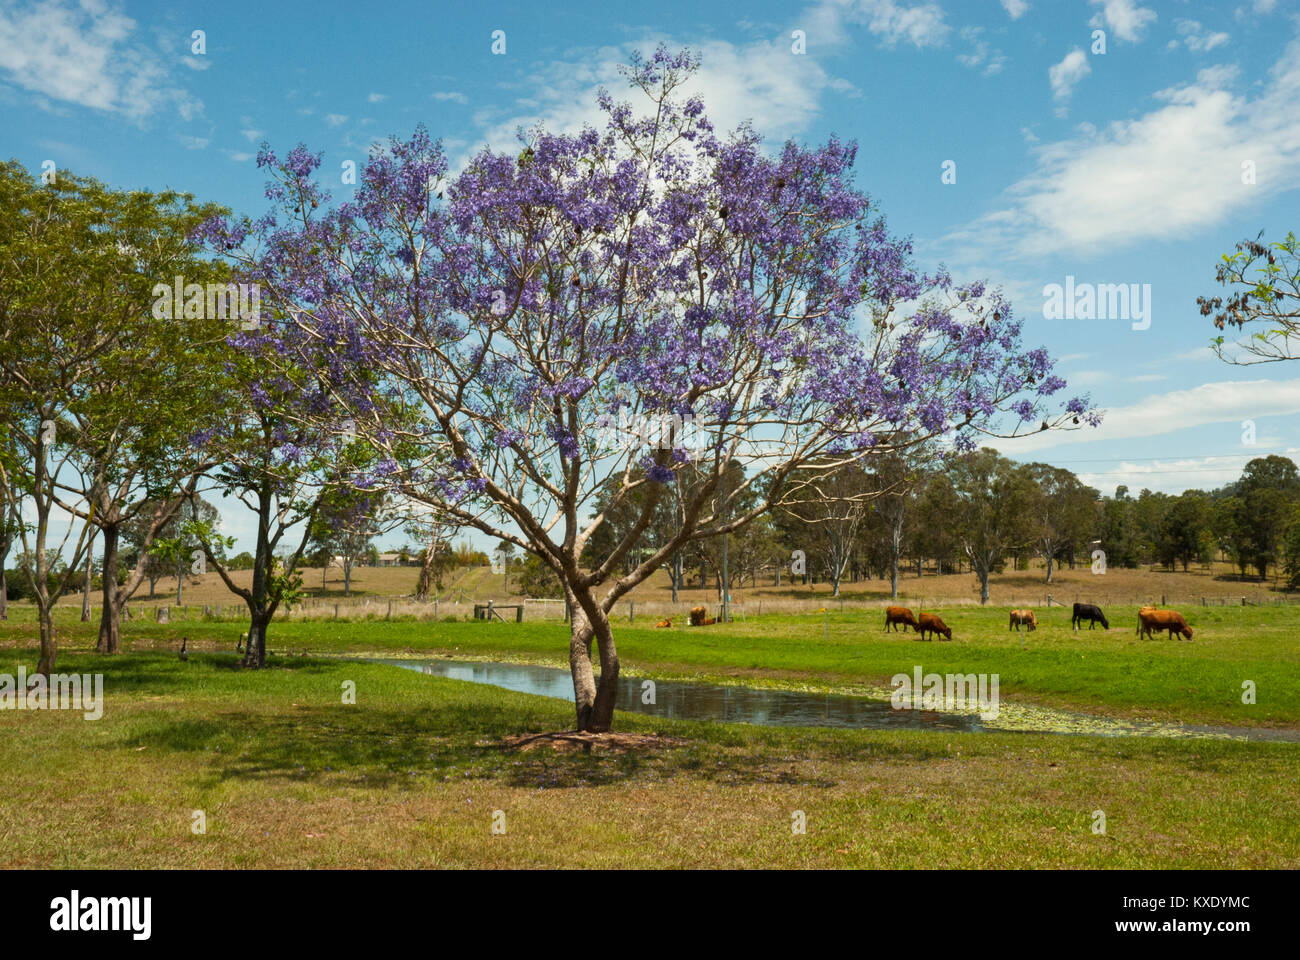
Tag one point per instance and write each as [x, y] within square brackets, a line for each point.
[1024, 618]
[665, 622]
[1090, 612]
[897, 615]
[932, 624]
[1151, 619]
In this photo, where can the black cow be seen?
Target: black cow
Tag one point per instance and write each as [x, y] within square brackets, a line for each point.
[1090, 612]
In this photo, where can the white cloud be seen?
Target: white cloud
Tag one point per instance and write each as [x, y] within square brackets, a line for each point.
[1124, 18]
[86, 55]
[982, 55]
[1015, 8]
[762, 82]
[920, 24]
[336, 119]
[1163, 174]
[1221, 402]
[377, 97]
[1195, 39]
[450, 95]
[1176, 474]
[1064, 75]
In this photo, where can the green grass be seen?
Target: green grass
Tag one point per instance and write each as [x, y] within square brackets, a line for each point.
[409, 776]
[1104, 672]
[290, 776]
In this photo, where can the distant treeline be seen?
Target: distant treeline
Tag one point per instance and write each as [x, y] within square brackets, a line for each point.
[978, 513]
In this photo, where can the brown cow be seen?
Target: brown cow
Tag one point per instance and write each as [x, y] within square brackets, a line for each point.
[698, 618]
[897, 615]
[932, 624]
[665, 622]
[1024, 618]
[1151, 619]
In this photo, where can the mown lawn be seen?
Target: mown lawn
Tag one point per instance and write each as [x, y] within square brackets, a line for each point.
[288, 775]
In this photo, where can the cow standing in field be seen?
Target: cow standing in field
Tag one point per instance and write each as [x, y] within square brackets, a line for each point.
[932, 624]
[1023, 618]
[897, 615]
[1152, 620]
[1090, 612]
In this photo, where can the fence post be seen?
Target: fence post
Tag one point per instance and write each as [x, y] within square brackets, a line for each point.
[336, 611]
[389, 614]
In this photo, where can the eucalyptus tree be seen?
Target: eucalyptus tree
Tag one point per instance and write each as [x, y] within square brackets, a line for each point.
[991, 511]
[85, 353]
[1062, 511]
[750, 306]
[830, 511]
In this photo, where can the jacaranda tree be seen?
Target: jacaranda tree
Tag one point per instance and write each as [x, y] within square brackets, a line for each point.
[750, 307]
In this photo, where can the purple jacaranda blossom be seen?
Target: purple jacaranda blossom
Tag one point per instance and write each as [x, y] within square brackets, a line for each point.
[504, 315]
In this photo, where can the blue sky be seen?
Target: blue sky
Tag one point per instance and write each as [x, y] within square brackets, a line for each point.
[1122, 167]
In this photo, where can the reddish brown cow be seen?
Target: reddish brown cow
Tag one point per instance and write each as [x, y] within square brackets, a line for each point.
[932, 624]
[1151, 619]
[665, 622]
[1024, 618]
[897, 615]
[698, 618]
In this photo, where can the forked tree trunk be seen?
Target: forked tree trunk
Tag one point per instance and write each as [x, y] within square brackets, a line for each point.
[594, 700]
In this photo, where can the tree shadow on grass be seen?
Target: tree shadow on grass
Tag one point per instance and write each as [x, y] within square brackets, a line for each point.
[395, 749]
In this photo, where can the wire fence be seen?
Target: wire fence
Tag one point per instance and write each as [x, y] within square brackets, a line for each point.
[462, 606]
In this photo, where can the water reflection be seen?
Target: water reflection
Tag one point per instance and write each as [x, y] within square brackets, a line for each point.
[703, 701]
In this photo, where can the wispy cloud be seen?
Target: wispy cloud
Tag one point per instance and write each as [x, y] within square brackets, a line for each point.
[88, 55]
[1163, 413]
[1174, 169]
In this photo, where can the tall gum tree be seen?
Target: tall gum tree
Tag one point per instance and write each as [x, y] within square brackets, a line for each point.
[753, 303]
[84, 350]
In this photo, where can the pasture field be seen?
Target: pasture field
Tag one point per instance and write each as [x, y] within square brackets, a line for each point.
[287, 775]
[1218, 582]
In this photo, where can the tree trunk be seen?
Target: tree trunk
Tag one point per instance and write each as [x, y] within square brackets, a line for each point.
[602, 711]
[426, 568]
[85, 587]
[49, 644]
[4, 592]
[255, 652]
[1049, 568]
[984, 586]
[109, 627]
[584, 681]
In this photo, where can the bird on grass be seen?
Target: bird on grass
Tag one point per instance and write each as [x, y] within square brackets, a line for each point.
[183, 654]
[239, 647]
